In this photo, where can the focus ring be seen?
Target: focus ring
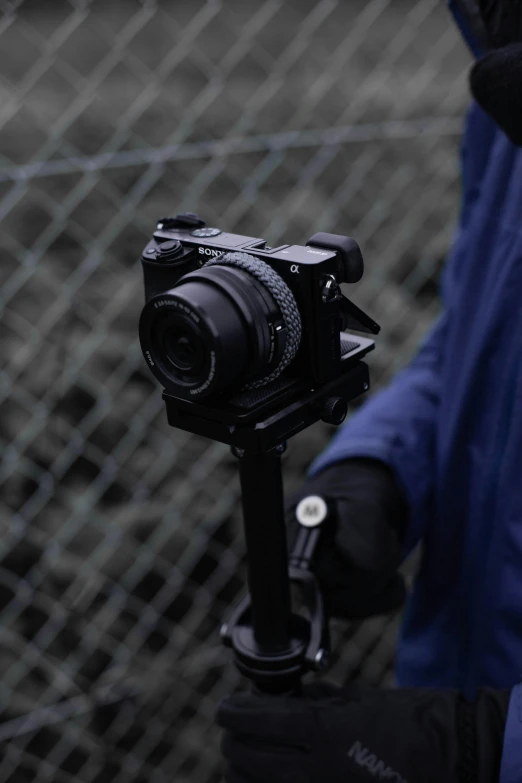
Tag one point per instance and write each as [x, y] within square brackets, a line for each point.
[284, 298]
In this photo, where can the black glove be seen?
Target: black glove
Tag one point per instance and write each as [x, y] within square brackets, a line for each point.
[503, 20]
[496, 79]
[346, 736]
[360, 549]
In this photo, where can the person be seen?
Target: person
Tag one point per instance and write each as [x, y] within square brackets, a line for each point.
[436, 457]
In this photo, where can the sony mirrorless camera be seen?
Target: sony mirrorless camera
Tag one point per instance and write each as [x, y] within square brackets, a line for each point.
[227, 315]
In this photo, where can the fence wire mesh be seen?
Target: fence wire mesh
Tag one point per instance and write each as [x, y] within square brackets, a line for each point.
[121, 545]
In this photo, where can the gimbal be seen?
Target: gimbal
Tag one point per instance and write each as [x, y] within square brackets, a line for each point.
[274, 646]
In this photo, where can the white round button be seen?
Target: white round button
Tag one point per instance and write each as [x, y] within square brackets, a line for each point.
[311, 511]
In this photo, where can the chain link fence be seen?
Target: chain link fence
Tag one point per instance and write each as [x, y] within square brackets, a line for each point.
[121, 544]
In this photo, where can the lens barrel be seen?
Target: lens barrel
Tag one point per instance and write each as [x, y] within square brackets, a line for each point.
[219, 329]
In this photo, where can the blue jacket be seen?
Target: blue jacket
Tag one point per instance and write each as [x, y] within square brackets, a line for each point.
[450, 425]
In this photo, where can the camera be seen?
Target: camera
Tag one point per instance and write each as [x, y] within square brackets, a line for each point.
[228, 316]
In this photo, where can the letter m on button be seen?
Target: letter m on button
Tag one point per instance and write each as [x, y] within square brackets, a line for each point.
[311, 511]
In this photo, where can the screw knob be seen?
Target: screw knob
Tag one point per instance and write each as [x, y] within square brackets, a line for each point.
[334, 410]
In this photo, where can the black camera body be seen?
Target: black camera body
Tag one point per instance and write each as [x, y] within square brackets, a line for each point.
[227, 315]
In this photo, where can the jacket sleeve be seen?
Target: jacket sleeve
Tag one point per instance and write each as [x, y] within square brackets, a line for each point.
[399, 424]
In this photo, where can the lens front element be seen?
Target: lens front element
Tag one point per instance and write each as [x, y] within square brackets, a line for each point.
[219, 329]
[183, 348]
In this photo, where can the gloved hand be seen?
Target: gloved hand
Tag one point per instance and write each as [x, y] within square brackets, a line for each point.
[496, 79]
[360, 549]
[503, 20]
[345, 736]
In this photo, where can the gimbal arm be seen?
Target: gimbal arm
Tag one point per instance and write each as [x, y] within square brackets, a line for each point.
[272, 646]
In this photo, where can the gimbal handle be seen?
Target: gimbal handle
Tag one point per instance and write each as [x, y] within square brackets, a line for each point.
[274, 647]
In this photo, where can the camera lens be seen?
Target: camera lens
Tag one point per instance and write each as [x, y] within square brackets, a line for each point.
[221, 328]
[184, 349]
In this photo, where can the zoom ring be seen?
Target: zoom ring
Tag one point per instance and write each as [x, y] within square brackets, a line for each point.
[282, 295]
